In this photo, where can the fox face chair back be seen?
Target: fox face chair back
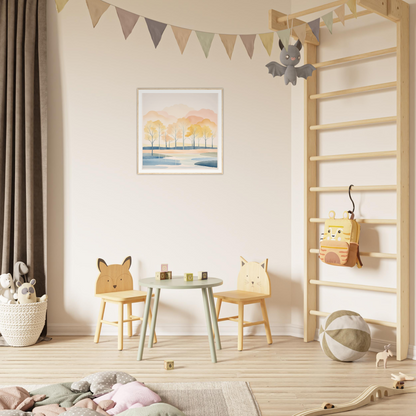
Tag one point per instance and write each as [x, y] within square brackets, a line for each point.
[114, 278]
[253, 277]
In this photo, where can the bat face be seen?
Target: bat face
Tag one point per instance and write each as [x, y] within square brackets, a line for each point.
[290, 57]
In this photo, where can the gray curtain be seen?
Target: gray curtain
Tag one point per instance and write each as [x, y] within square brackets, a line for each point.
[23, 137]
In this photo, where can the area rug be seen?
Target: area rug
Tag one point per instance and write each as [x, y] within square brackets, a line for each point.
[220, 398]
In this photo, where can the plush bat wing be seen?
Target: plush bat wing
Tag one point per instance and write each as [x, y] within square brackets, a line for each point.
[305, 71]
[276, 69]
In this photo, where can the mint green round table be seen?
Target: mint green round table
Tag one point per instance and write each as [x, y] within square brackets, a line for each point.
[178, 282]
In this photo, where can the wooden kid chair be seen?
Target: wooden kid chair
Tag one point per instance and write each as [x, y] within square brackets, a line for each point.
[115, 284]
[253, 286]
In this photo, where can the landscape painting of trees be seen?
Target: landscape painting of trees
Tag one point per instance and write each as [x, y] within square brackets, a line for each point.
[179, 131]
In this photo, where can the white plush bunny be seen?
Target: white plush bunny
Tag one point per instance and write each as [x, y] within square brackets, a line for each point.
[7, 289]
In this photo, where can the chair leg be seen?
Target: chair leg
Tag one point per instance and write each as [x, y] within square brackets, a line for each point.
[217, 310]
[240, 326]
[266, 321]
[99, 323]
[129, 324]
[120, 326]
[150, 323]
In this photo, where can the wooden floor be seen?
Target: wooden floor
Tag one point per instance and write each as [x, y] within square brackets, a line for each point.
[286, 377]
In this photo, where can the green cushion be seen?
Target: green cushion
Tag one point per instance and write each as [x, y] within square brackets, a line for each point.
[158, 409]
[60, 394]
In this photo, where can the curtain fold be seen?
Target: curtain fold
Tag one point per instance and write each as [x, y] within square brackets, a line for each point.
[23, 138]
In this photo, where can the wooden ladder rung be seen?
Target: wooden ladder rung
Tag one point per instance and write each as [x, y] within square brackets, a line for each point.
[113, 323]
[357, 90]
[356, 57]
[227, 319]
[370, 321]
[347, 156]
[360, 220]
[353, 286]
[365, 254]
[355, 123]
[355, 188]
[252, 323]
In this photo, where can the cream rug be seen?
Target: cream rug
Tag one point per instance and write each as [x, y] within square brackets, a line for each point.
[220, 398]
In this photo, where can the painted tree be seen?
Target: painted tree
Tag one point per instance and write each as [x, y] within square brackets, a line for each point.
[167, 139]
[160, 127]
[183, 123]
[150, 133]
[174, 130]
[206, 133]
[194, 132]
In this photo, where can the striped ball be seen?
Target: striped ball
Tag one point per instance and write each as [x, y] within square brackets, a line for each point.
[344, 336]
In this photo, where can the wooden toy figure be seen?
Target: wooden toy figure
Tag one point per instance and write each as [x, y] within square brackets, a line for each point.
[188, 277]
[400, 379]
[384, 355]
[164, 268]
[202, 275]
[169, 364]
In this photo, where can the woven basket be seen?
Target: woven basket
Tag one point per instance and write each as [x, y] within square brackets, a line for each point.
[21, 325]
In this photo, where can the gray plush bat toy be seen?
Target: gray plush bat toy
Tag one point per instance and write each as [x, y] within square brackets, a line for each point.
[290, 58]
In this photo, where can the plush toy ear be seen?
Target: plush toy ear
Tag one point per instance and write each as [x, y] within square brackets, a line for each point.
[101, 264]
[281, 45]
[298, 44]
[18, 283]
[264, 264]
[127, 262]
[243, 261]
[33, 282]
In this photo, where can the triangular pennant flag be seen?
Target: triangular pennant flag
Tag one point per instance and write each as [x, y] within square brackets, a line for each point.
[284, 36]
[156, 30]
[248, 41]
[267, 40]
[229, 42]
[328, 20]
[340, 12]
[314, 25]
[353, 7]
[60, 4]
[127, 21]
[301, 32]
[205, 39]
[181, 36]
[96, 9]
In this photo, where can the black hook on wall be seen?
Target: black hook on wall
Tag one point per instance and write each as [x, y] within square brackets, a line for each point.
[353, 204]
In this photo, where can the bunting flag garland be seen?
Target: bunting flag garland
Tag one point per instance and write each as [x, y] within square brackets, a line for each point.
[205, 39]
[340, 12]
[181, 36]
[96, 9]
[301, 32]
[248, 42]
[229, 43]
[156, 30]
[352, 4]
[314, 25]
[328, 20]
[284, 36]
[127, 21]
[267, 40]
[60, 4]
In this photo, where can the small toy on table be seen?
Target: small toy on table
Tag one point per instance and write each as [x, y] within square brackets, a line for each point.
[162, 276]
[202, 275]
[188, 277]
[384, 355]
[164, 268]
[169, 364]
[400, 380]
[169, 275]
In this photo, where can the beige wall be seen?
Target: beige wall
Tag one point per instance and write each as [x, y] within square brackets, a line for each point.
[363, 35]
[100, 207]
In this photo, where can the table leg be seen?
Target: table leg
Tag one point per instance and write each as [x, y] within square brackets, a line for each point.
[144, 323]
[152, 327]
[214, 317]
[209, 327]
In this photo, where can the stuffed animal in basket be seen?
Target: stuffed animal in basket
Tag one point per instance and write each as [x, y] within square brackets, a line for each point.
[20, 272]
[27, 293]
[7, 288]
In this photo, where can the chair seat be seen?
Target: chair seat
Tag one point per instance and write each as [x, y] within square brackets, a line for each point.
[124, 296]
[237, 296]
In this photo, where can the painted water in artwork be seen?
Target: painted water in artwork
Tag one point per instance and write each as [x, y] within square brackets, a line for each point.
[180, 131]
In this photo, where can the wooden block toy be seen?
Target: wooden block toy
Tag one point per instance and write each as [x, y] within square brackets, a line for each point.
[169, 364]
[169, 274]
[202, 275]
[188, 277]
[164, 268]
[162, 276]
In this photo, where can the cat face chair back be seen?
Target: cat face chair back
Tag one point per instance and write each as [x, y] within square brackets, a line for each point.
[26, 292]
[114, 277]
[253, 277]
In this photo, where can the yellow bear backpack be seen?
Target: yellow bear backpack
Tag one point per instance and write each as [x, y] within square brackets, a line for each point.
[339, 244]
